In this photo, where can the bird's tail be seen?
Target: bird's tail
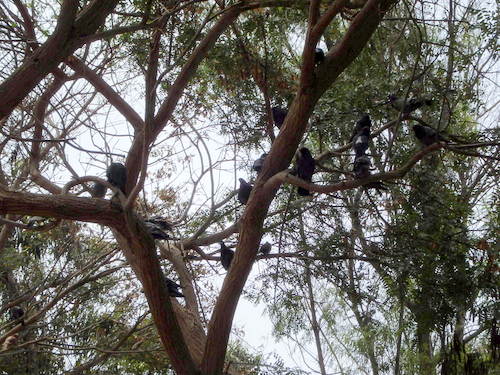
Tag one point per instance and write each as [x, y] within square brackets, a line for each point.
[377, 185]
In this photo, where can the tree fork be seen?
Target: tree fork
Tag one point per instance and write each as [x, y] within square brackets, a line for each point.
[280, 155]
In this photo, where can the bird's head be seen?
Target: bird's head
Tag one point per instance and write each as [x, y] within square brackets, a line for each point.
[419, 130]
[365, 120]
[304, 152]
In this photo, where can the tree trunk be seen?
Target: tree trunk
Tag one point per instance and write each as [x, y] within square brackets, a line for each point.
[425, 355]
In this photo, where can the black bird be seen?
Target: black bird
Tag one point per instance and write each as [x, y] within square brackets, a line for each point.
[226, 255]
[117, 175]
[265, 248]
[360, 141]
[305, 168]
[361, 166]
[378, 185]
[427, 135]
[363, 122]
[105, 326]
[259, 163]
[16, 313]
[98, 190]
[156, 231]
[408, 106]
[160, 222]
[173, 288]
[36, 222]
[244, 191]
[319, 56]
[279, 115]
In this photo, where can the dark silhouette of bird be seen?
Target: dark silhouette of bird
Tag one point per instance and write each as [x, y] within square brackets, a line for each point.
[408, 106]
[363, 122]
[244, 191]
[98, 190]
[305, 168]
[362, 166]
[265, 248]
[378, 185]
[156, 230]
[259, 163]
[117, 175]
[36, 222]
[279, 115]
[319, 56]
[160, 222]
[173, 288]
[360, 141]
[361, 169]
[427, 135]
[105, 326]
[226, 255]
[16, 313]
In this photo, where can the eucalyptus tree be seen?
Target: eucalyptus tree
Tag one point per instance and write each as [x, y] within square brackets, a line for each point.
[180, 91]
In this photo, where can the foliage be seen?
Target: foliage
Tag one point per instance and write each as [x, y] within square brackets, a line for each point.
[400, 281]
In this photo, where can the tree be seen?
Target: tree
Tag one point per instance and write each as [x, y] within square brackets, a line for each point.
[193, 61]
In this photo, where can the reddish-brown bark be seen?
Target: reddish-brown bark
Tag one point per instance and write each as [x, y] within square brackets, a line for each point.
[60, 207]
[139, 250]
[184, 352]
[279, 158]
[65, 39]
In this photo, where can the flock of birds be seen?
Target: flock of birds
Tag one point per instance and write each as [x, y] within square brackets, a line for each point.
[158, 227]
[305, 163]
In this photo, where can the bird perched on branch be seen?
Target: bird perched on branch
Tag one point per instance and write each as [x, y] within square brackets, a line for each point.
[117, 175]
[408, 106]
[173, 288]
[378, 185]
[279, 115]
[305, 168]
[36, 222]
[265, 248]
[156, 227]
[362, 166]
[16, 313]
[319, 56]
[361, 169]
[98, 190]
[363, 122]
[244, 191]
[427, 135]
[160, 222]
[360, 141]
[259, 163]
[226, 255]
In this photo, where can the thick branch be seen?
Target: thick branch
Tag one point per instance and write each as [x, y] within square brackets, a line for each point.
[285, 176]
[65, 39]
[67, 207]
[279, 158]
[176, 91]
[107, 91]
